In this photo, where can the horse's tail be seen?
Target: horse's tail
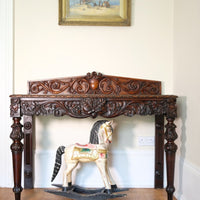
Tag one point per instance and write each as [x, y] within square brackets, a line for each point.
[58, 161]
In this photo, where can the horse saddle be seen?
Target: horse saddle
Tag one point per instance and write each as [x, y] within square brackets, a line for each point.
[85, 153]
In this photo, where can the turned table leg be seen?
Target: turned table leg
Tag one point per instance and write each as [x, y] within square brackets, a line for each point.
[170, 149]
[17, 148]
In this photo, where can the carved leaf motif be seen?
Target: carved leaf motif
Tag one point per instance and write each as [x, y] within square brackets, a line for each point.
[28, 107]
[15, 106]
[73, 108]
[91, 106]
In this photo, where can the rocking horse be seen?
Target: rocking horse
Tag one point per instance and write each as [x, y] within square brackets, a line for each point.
[95, 151]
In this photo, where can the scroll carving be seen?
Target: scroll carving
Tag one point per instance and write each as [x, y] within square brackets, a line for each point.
[95, 83]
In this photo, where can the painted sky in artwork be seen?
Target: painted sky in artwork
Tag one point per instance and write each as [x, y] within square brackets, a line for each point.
[111, 2]
[94, 7]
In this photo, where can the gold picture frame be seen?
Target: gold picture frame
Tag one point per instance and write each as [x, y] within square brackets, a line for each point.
[95, 12]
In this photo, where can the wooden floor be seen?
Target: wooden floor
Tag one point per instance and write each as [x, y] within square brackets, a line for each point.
[39, 194]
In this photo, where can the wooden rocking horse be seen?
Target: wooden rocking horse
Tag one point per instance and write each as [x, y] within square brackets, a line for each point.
[95, 151]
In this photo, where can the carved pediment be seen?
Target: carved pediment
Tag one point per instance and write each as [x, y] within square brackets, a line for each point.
[95, 83]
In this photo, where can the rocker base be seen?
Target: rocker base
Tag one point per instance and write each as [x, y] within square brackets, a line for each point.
[80, 193]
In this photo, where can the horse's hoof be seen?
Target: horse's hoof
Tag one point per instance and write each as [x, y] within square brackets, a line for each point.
[108, 191]
[69, 184]
[114, 188]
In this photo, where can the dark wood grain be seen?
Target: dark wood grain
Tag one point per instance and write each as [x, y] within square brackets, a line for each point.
[17, 148]
[159, 150]
[95, 83]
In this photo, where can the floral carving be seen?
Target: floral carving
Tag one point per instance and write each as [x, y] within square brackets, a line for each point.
[92, 107]
[15, 107]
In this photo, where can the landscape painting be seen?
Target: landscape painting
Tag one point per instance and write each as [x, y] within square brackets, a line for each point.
[94, 12]
[94, 7]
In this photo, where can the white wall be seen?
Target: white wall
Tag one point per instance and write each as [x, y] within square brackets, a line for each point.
[42, 49]
[186, 85]
[6, 88]
[45, 50]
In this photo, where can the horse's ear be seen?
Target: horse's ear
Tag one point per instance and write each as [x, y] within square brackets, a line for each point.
[111, 123]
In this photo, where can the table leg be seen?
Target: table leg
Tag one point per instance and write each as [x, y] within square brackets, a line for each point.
[17, 148]
[28, 153]
[159, 150]
[170, 149]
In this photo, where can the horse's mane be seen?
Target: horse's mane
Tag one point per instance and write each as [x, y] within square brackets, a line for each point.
[94, 131]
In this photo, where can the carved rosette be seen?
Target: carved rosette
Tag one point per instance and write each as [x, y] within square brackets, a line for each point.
[95, 83]
[28, 173]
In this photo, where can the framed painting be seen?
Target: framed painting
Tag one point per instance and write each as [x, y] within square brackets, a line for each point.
[95, 12]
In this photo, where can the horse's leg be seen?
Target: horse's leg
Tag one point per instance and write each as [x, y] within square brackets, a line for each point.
[111, 180]
[102, 165]
[67, 177]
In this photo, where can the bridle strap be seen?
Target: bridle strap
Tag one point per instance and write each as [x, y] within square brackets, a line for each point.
[105, 126]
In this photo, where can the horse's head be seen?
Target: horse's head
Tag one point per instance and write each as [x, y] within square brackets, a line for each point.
[101, 132]
[106, 130]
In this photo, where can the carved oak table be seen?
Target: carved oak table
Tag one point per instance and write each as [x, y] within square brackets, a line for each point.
[91, 96]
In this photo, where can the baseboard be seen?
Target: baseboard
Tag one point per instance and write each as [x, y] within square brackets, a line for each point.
[187, 180]
[133, 169]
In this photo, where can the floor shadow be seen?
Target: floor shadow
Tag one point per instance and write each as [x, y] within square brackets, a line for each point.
[182, 116]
